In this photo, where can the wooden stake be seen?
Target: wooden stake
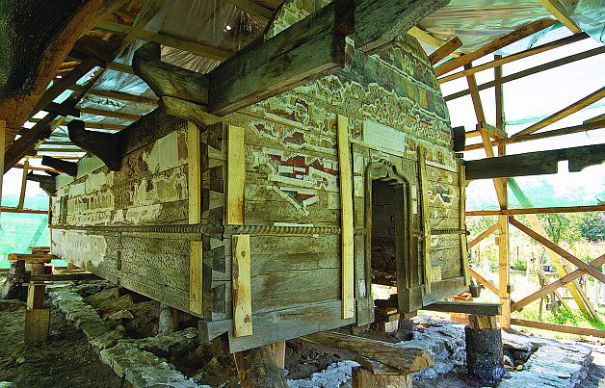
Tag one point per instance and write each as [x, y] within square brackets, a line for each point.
[23, 184]
[242, 292]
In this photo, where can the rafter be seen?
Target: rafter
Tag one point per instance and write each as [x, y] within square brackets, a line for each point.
[533, 70]
[558, 11]
[515, 57]
[429, 39]
[496, 44]
[445, 50]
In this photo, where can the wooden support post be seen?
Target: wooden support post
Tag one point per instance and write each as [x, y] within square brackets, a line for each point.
[503, 271]
[2, 154]
[236, 175]
[484, 349]
[426, 224]
[23, 184]
[195, 217]
[242, 292]
[37, 317]
[278, 350]
[462, 222]
[257, 368]
[346, 209]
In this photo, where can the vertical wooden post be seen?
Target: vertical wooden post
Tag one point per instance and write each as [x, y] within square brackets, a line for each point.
[426, 224]
[2, 153]
[346, 209]
[278, 350]
[23, 184]
[242, 292]
[236, 175]
[257, 368]
[463, 239]
[503, 224]
[194, 183]
[484, 349]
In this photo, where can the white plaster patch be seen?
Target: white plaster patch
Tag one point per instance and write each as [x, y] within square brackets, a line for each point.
[164, 154]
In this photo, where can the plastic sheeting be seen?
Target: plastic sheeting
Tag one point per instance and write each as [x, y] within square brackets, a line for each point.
[476, 22]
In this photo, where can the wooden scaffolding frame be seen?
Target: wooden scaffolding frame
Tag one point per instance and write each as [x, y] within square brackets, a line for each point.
[497, 137]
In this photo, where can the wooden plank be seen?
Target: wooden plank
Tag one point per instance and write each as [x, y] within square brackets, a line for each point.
[379, 22]
[362, 378]
[199, 49]
[429, 39]
[558, 11]
[536, 163]
[194, 176]
[584, 127]
[236, 174]
[489, 285]
[426, 224]
[35, 296]
[503, 271]
[514, 57]
[253, 8]
[194, 180]
[465, 307]
[23, 184]
[149, 10]
[462, 220]
[483, 235]
[31, 257]
[552, 287]
[559, 328]
[570, 109]
[36, 325]
[558, 250]
[445, 50]
[537, 210]
[242, 291]
[494, 45]
[195, 277]
[347, 227]
[278, 350]
[533, 70]
[7, 209]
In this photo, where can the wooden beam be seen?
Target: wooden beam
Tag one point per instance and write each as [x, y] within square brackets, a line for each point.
[242, 291]
[515, 57]
[105, 146]
[536, 163]
[465, 308]
[483, 235]
[23, 184]
[149, 10]
[193, 47]
[346, 216]
[2, 153]
[236, 174]
[69, 168]
[563, 113]
[558, 250]
[444, 51]
[492, 131]
[558, 11]
[116, 95]
[429, 39]
[494, 45]
[489, 285]
[552, 287]
[253, 8]
[379, 22]
[194, 185]
[257, 368]
[26, 143]
[7, 209]
[585, 127]
[110, 113]
[537, 210]
[426, 223]
[533, 70]
[504, 271]
[559, 328]
[462, 225]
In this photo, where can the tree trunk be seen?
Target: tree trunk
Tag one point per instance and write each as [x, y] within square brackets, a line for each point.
[484, 349]
[257, 368]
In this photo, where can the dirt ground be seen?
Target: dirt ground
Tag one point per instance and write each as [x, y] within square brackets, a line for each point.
[66, 360]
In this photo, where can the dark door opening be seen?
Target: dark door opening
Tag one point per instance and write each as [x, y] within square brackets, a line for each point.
[388, 234]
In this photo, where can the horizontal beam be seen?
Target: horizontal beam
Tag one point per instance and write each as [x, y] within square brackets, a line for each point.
[110, 113]
[535, 163]
[515, 57]
[537, 210]
[8, 209]
[465, 308]
[494, 45]
[590, 125]
[559, 328]
[533, 70]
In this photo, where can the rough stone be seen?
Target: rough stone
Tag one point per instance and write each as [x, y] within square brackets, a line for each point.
[122, 314]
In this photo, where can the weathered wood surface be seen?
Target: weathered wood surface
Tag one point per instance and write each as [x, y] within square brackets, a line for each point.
[257, 368]
[465, 307]
[363, 378]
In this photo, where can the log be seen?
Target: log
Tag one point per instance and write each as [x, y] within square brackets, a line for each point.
[535, 163]
[105, 146]
[257, 368]
[483, 309]
[484, 349]
[69, 168]
[362, 378]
